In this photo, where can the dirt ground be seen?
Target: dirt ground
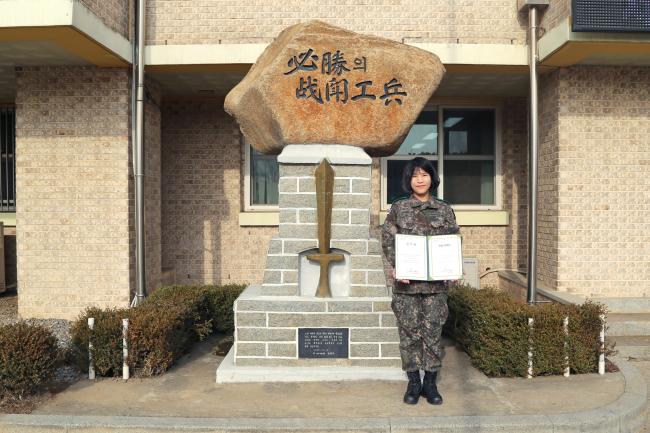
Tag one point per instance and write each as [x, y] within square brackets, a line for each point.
[8, 307]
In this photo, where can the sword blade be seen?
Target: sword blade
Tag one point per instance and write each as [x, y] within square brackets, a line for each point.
[324, 175]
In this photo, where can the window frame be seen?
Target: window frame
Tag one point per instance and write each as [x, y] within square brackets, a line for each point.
[440, 157]
[8, 208]
[248, 207]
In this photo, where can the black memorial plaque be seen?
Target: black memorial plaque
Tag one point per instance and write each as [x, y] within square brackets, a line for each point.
[323, 342]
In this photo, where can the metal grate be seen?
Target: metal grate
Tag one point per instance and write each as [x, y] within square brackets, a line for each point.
[611, 15]
[7, 160]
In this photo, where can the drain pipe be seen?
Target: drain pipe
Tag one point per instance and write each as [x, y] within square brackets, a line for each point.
[137, 95]
[532, 6]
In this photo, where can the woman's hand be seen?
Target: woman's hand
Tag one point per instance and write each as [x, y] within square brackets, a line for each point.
[392, 273]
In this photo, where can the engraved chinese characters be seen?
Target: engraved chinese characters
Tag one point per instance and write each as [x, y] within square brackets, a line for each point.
[318, 83]
[323, 342]
[337, 88]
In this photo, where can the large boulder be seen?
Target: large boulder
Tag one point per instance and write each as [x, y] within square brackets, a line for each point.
[320, 84]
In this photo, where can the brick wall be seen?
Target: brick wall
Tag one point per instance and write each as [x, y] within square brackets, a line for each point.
[217, 21]
[557, 11]
[114, 13]
[596, 162]
[72, 173]
[547, 178]
[152, 186]
[515, 286]
[202, 197]
[604, 181]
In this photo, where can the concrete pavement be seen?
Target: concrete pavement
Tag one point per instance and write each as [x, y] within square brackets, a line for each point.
[643, 367]
[187, 399]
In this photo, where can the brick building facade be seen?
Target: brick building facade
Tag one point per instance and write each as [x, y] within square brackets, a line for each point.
[74, 213]
[594, 201]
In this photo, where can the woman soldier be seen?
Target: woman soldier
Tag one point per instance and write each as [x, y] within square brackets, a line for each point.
[419, 306]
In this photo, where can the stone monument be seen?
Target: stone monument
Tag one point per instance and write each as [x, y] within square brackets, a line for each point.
[324, 99]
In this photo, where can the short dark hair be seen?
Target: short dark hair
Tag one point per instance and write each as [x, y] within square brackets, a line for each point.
[425, 165]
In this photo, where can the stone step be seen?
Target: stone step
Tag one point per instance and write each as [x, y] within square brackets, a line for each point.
[625, 305]
[627, 325]
[637, 347]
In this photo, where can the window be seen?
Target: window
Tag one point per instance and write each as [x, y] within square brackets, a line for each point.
[261, 180]
[7, 160]
[468, 168]
[469, 164]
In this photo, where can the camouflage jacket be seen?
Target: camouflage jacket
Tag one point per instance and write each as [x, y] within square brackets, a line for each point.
[411, 216]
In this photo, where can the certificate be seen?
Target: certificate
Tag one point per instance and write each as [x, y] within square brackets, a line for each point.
[411, 257]
[445, 257]
[428, 258]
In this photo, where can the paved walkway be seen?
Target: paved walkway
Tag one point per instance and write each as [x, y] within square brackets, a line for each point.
[643, 366]
[187, 398]
[189, 390]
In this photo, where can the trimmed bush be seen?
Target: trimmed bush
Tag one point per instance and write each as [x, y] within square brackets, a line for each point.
[490, 326]
[172, 318]
[493, 330]
[28, 359]
[160, 332]
[161, 329]
[198, 312]
[106, 337]
[584, 343]
[223, 299]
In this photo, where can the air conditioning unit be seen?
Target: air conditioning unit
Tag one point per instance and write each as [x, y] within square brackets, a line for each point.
[470, 272]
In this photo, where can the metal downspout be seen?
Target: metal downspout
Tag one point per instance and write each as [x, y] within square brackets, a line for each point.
[138, 153]
[532, 157]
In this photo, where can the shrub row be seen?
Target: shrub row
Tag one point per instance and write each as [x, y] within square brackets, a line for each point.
[29, 356]
[161, 328]
[493, 329]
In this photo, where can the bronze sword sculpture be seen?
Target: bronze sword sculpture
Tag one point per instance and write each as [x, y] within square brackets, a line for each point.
[324, 194]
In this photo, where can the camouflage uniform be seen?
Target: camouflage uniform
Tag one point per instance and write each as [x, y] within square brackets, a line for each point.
[421, 306]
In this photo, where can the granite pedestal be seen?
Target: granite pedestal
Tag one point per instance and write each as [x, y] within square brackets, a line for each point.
[283, 332]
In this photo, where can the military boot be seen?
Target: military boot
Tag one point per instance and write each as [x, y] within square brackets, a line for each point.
[414, 388]
[429, 388]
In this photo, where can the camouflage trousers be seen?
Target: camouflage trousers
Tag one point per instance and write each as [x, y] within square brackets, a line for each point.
[419, 321]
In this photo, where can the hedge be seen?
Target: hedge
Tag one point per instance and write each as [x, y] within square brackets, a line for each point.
[161, 329]
[221, 299]
[493, 330]
[29, 356]
[106, 338]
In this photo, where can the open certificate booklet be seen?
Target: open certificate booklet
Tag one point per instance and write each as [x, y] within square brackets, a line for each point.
[428, 258]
